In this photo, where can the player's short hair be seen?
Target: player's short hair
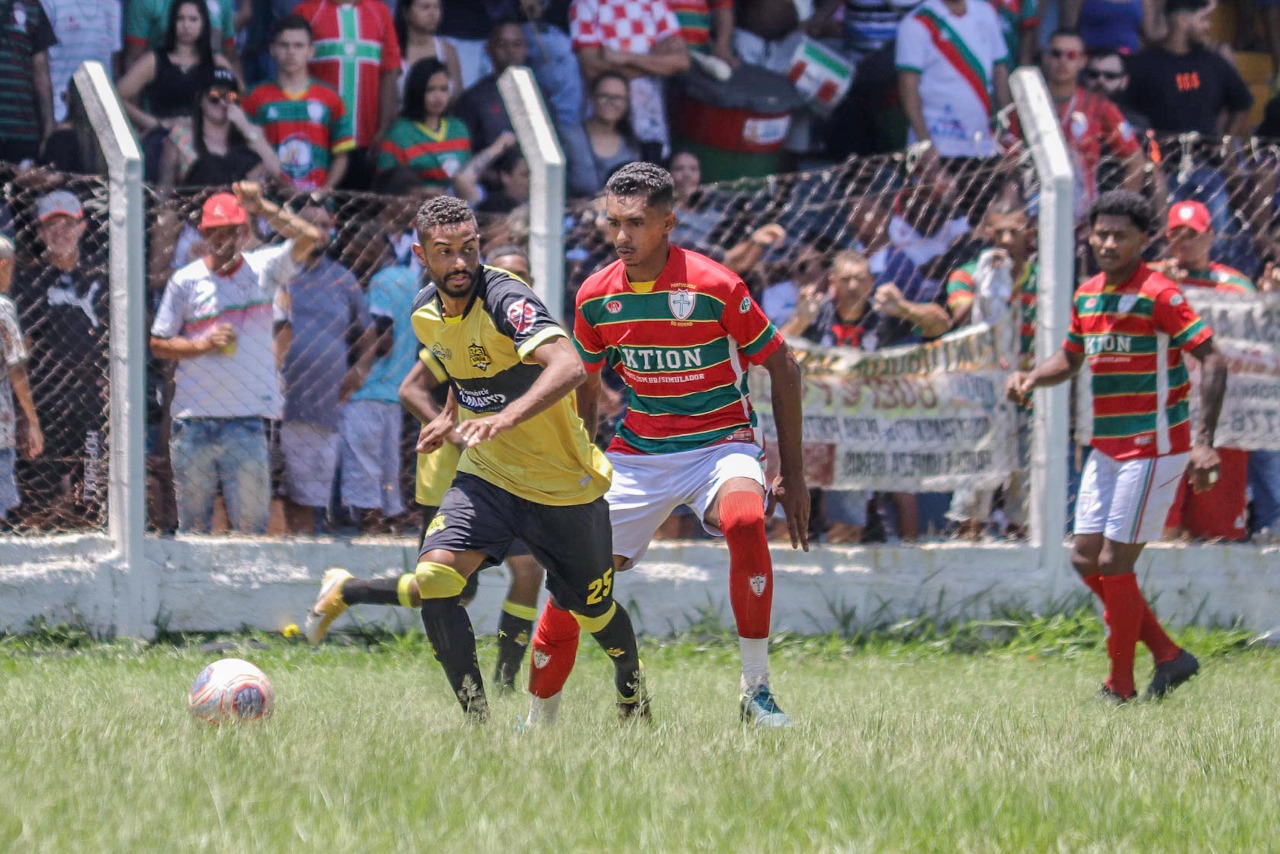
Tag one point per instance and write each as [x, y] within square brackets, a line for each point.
[1122, 203]
[7, 249]
[442, 210]
[1065, 33]
[292, 22]
[651, 182]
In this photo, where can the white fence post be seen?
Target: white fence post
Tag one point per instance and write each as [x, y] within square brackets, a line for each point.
[542, 151]
[135, 593]
[1056, 259]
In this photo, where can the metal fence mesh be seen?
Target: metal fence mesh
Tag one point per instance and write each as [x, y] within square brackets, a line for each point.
[779, 232]
[60, 292]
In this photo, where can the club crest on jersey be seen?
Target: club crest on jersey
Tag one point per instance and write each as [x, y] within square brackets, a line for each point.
[680, 301]
[521, 314]
[757, 584]
[479, 356]
[1126, 302]
[315, 111]
[540, 659]
[613, 306]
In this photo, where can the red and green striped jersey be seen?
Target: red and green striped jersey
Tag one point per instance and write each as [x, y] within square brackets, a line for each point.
[681, 346]
[694, 17]
[961, 288]
[306, 128]
[435, 156]
[1134, 336]
[1221, 278]
[355, 45]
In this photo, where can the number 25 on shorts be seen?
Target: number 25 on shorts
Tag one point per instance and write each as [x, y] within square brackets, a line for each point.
[598, 589]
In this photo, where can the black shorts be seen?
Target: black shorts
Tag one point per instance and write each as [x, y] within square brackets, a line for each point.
[573, 543]
[517, 548]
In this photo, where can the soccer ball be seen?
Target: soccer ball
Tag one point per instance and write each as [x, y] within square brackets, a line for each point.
[231, 690]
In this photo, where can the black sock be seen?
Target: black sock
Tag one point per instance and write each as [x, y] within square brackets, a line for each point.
[513, 642]
[618, 640]
[454, 643]
[372, 591]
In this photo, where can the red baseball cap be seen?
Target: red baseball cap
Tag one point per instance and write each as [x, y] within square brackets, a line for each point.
[1192, 215]
[222, 209]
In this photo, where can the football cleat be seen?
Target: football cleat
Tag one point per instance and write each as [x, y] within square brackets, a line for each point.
[1171, 674]
[328, 606]
[758, 707]
[1117, 699]
[635, 707]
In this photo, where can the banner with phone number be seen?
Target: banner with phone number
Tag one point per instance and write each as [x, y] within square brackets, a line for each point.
[920, 418]
[1246, 329]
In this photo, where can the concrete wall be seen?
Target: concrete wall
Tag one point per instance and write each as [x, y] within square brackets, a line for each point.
[205, 584]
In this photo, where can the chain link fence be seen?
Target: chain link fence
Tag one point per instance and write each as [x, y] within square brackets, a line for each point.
[53, 472]
[341, 467]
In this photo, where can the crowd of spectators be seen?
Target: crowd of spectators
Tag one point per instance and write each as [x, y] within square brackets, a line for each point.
[352, 111]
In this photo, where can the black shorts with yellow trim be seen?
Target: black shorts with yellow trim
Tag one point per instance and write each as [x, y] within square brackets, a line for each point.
[573, 543]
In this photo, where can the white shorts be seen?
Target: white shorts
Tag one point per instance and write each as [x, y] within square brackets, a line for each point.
[371, 456]
[310, 462]
[648, 487]
[1127, 501]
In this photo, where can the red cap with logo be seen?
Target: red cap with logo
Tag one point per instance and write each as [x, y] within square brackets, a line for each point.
[1192, 215]
[222, 209]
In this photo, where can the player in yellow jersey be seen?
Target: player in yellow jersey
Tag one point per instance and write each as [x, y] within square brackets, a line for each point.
[528, 470]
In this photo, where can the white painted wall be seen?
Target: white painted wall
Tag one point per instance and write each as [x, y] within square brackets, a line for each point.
[213, 584]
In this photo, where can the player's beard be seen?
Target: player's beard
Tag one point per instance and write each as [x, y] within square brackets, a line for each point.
[454, 287]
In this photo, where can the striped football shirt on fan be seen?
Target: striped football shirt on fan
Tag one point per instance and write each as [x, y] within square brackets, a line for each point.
[961, 288]
[1221, 278]
[305, 128]
[355, 45]
[682, 345]
[694, 17]
[434, 156]
[1134, 336]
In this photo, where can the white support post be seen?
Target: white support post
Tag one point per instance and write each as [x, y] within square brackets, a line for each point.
[127, 480]
[542, 151]
[1056, 259]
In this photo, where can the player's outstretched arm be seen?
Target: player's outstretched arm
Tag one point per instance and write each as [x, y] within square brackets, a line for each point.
[785, 384]
[1204, 463]
[1056, 369]
[562, 372]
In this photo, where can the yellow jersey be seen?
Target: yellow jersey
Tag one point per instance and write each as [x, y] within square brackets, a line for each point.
[485, 357]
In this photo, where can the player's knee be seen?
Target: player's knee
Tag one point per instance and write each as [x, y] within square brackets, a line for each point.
[1084, 564]
[596, 624]
[437, 581]
[741, 513]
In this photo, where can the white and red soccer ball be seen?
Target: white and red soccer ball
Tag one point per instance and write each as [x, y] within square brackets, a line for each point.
[231, 689]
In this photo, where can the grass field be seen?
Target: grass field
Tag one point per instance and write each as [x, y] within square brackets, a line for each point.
[974, 738]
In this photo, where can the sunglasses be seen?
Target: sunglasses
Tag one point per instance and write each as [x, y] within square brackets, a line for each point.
[216, 97]
[1071, 55]
[1110, 76]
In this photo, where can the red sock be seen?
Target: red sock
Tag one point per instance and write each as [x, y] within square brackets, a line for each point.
[1123, 617]
[750, 566]
[554, 648]
[1150, 632]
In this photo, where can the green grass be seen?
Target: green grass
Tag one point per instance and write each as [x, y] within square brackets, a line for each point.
[915, 737]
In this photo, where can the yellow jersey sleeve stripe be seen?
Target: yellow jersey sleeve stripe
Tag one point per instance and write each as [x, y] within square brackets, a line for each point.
[538, 340]
[433, 364]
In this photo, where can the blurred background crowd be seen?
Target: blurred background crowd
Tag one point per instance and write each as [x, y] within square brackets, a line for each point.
[850, 159]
